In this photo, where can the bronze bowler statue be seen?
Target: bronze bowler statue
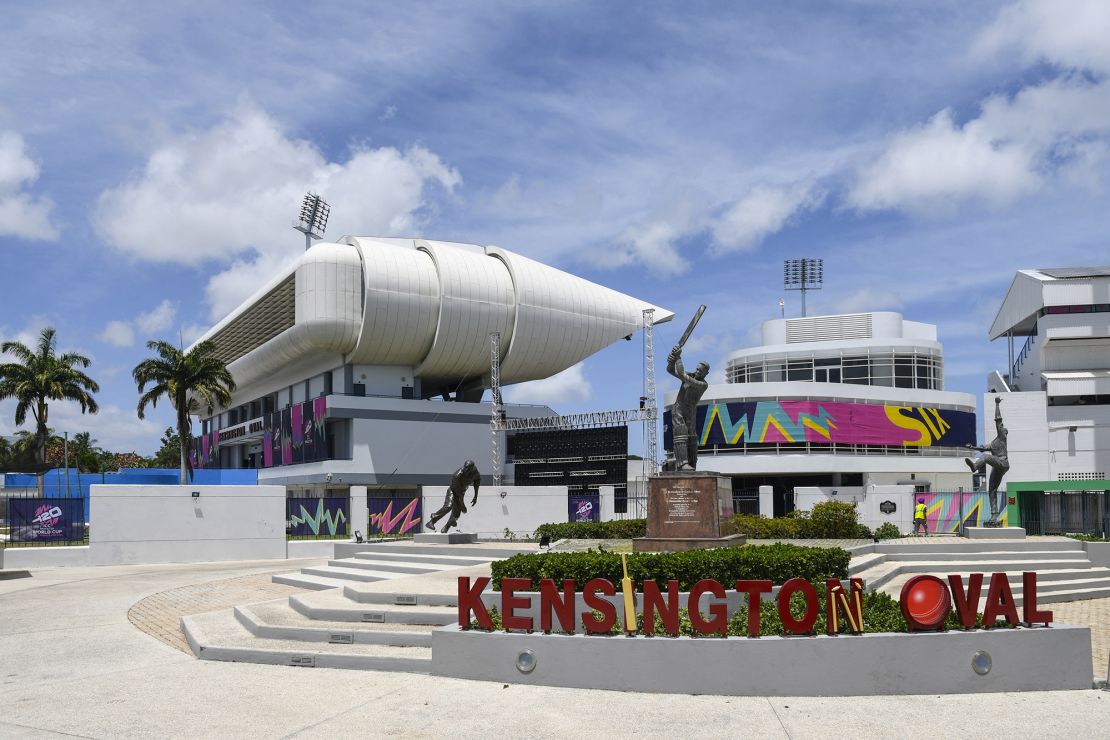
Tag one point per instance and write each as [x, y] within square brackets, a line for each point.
[999, 461]
[684, 413]
[455, 502]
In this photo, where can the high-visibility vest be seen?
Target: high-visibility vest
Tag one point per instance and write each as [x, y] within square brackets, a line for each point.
[919, 511]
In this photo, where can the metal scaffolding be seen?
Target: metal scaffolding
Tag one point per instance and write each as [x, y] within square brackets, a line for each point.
[497, 420]
[648, 402]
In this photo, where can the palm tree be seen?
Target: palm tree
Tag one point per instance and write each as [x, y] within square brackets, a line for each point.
[183, 377]
[40, 376]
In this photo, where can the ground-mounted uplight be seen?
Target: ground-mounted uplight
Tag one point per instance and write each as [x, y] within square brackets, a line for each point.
[981, 662]
[526, 661]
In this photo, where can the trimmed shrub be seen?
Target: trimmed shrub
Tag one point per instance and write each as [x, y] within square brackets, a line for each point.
[762, 528]
[836, 520]
[887, 531]
[621, 529]
[778, 563]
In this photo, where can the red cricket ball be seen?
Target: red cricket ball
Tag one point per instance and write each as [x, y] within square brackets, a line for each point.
[928, 601]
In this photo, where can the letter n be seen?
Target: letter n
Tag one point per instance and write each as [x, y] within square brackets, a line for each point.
[847, 603]
[551, 603]
[667, 610]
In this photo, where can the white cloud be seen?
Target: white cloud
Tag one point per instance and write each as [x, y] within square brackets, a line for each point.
[569, 386]
[21, 214]
[230, 194]
[192, 332]
[762, 212]
[118, 334]
[115, 428]
[157, 319]
[1071, 33]
[653, 240]
[938, 164]
[389, 112]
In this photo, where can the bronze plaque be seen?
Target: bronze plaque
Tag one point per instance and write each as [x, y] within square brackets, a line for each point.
[687, 505]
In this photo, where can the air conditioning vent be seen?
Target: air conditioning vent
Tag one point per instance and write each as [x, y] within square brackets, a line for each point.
[828, 328]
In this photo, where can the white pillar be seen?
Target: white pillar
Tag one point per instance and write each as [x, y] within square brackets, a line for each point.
[359, 512]
[606, 496]
[767, 501]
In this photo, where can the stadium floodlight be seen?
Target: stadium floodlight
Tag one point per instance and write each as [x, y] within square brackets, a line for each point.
[803, 274]
[313, 220]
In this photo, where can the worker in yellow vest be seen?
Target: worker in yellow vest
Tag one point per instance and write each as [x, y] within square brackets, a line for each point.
[919, 517]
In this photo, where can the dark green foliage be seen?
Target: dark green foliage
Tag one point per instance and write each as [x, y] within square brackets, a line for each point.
[887, 531]
[828, 520]
[624, 529]
[777, 563]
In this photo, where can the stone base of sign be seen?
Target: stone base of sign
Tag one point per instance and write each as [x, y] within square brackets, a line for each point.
[678, 544]
[687, 510]
[1022, 659]
[450, 538]
[995, 533]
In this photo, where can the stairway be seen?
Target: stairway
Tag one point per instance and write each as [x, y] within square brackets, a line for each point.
[374, 608]
[1064, 572]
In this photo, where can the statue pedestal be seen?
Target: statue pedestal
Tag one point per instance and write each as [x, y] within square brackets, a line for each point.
[450, 538]
[686, 511]
[995, 533]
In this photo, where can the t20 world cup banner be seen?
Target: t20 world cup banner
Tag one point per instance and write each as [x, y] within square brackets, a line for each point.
[47, 519]
[825, 422]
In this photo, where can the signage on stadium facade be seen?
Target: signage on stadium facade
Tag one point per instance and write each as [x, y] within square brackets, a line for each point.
[926, 602]
[252, 428]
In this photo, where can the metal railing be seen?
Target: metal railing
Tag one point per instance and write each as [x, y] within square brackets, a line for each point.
[630, 507]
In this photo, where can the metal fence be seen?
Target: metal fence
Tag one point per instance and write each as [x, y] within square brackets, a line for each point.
[630, 507]
[1066, 512]
[317, 518]
[44, 522]
[745, 501]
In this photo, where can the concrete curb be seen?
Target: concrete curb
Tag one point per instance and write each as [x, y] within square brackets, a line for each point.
[1023, 659]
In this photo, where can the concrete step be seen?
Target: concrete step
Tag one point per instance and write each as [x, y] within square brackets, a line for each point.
[303, 580]
[278, 620]
[417, 559]
[220, 636]
[400, 597]
[861, 563]
[1054, 586]
[347, 574]
[385, 566]
[479, 551]
[959, 544]
[961, 567]
[334, 606]
[955, 555]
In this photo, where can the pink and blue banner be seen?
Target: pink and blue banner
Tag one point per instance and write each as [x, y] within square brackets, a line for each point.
[824, 422]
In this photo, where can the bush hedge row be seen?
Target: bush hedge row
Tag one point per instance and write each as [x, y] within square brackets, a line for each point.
[881, 613]
[828, 520]
[624, 529]
[778, 563]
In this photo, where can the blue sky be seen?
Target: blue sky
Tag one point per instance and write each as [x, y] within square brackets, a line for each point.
[152, 157]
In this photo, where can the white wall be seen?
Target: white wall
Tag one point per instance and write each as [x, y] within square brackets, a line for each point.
[867, 502]
[165, 524]
[1025, 417]
[521, 510]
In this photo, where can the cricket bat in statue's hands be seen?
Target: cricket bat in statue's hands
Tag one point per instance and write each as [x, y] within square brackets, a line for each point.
[629, 598]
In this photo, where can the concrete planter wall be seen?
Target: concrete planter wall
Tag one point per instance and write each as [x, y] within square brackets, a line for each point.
[1034, 659]
[1099, 553]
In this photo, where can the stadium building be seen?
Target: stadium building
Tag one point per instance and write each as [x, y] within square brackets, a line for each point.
[364, 364]
[844, 403]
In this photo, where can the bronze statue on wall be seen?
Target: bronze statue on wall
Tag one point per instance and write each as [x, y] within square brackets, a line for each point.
[998, 459]
[455, 503]
[684, 413]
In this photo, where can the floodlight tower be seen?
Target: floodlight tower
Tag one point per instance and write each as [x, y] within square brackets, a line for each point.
[313, 220]
[803, 274]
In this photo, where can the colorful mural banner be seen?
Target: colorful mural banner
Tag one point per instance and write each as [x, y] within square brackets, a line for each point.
[942, 510]
[583, 507]
[318, 517]
[394, 515]
[47, 519]
[292, 435]
[820, 422]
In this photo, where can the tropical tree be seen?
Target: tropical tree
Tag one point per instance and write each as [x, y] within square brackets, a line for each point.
[39, 376]
[187, 379]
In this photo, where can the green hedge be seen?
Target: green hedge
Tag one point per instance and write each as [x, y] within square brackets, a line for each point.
[778, 563]
[623, 529]
[828, 520]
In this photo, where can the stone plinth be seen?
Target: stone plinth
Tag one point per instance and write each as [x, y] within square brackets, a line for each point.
[686, 511]
[450, 538]
[995, 533]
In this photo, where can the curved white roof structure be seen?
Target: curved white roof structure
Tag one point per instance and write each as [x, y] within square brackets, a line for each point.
[425, 304]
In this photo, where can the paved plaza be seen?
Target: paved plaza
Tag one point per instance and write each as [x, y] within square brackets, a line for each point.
[90, 652]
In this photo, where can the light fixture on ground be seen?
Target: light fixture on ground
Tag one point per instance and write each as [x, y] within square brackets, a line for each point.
[313, 220]
[981, 662]
[526, 661]
[803, 274]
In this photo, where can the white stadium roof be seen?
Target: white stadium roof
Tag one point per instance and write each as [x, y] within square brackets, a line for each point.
[426, 304]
